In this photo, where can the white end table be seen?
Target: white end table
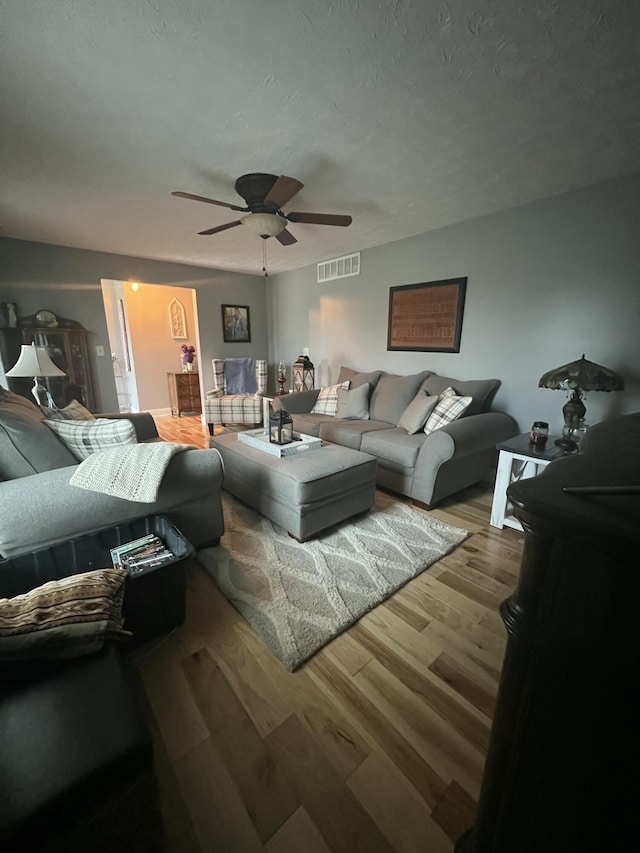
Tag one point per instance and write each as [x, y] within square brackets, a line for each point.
[518, 460]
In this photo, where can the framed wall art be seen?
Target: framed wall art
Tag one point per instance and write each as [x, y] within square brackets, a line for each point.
[426, 317]
[236, 327]
[177, 320]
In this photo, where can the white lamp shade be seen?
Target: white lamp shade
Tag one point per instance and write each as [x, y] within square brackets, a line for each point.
[265, 224]
[34, 361]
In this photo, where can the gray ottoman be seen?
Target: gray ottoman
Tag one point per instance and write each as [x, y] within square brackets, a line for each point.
[303, 493]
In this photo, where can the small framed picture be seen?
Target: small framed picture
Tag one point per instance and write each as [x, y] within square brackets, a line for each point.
[236, 327]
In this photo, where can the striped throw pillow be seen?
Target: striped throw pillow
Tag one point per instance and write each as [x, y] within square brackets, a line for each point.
[327, 402]
[64, 618]
[448, 409]
[86, 437]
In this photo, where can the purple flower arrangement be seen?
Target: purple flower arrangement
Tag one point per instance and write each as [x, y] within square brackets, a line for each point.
[188, 353]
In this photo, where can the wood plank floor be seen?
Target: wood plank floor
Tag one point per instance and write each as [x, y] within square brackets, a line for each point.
[376, 744]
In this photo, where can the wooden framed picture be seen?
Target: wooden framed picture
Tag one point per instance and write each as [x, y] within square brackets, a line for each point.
[426, 317]
[236, 327]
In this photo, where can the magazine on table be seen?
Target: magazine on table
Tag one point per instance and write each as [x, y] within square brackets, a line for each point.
[139, 555]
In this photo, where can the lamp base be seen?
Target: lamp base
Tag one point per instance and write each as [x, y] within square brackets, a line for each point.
[574, 410]
[567, 444]
[42, 395]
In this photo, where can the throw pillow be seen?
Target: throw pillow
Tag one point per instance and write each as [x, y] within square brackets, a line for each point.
[357, 378]
[415, 415]
[86, 437]
[74, 411]
[482, 391]
[354, 404]
[64, 618]
[448, 409]
[327, 401]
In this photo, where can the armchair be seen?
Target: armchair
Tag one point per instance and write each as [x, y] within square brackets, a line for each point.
[244, 404]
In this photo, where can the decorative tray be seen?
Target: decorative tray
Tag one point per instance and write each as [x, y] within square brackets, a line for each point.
[260, 439]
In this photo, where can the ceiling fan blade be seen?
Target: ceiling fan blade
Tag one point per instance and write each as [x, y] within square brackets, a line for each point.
[286, 238]
[208, 200]
[320, 218]
[220, 227]
[283, 191]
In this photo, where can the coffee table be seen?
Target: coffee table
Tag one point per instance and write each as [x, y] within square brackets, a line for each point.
[304, 493]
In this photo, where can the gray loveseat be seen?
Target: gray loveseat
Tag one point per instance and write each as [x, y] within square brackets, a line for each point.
[39, 507]
[426, 468]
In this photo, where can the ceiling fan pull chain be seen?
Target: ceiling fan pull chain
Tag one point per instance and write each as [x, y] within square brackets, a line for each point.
[264, 258]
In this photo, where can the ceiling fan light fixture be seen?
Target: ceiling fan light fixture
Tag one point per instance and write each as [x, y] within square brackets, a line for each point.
[265, 224]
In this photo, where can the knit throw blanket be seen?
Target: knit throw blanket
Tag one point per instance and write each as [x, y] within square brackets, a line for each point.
[133, 472]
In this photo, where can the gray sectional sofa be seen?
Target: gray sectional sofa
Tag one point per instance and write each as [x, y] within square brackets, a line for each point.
[39, 507]
[426, 468]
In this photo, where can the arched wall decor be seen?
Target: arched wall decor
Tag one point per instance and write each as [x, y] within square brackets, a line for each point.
[177, 320]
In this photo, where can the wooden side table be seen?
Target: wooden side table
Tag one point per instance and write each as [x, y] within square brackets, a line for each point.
[184, 393]
[519, 459]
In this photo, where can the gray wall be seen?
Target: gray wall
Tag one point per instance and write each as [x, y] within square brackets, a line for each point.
[547, 282]
[67, 281]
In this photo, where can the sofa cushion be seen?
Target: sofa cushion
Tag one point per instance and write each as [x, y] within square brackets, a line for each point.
[357, 378]
[415, 415]
[327, 401]
[353, 404]
[392, 395]
[26, 445]
[74, 411]
[449, 408]
[86, 437]
[64, 618]
[393, 447]
[309, 424]
[482, 391]
[349, 433]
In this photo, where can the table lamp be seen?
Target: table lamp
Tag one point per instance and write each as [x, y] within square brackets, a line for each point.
[577, 377]
[34, 361]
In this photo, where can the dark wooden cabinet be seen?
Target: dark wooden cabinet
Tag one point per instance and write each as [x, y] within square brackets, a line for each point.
[68, 348]
[565, 743]
[184, 393]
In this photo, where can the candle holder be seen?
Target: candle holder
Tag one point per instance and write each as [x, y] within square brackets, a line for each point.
[282, 378]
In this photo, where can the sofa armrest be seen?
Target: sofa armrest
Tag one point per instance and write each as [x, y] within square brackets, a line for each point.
[143, 423]
[472, 437]
[299, 403]
[477, 432]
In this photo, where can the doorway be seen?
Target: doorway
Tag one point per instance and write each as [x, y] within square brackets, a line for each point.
[145, 341]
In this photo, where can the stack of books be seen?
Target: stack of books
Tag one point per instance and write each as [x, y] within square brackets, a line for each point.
[148, 552]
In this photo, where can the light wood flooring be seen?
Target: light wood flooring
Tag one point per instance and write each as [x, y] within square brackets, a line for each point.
[376, 744]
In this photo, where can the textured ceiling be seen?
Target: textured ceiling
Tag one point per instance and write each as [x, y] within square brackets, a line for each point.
[407, 114]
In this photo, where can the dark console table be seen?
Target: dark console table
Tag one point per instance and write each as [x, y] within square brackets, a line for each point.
[561, 770]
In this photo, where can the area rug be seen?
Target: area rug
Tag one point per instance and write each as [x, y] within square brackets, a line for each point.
[299, 596]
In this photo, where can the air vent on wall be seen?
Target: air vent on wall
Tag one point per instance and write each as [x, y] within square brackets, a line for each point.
[339, 267]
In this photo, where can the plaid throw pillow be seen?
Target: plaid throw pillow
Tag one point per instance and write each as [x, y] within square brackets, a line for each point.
[448, 409]
[64, 618]
[75, 411]
[327, 402]
[86, 437]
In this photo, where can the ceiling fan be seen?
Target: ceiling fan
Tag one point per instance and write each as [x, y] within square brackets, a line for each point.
[265, 195]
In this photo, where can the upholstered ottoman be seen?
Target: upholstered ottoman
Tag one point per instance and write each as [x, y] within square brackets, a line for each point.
[303, 493]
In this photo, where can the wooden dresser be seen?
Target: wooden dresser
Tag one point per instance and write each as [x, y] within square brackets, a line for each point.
[184, 393]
